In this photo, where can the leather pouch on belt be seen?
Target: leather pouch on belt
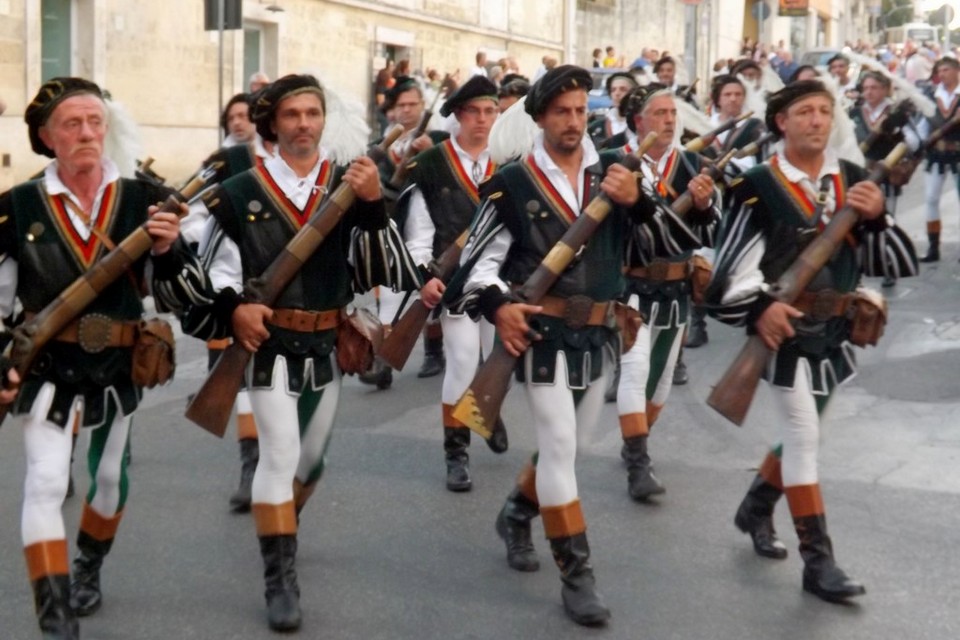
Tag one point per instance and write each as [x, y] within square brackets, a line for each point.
[629, 322]
[869, 317]
[154, 353]
[700, 278]
[359, 336]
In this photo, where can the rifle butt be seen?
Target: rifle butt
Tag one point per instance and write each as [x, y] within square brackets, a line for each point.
[479, 407]
[398, 345]
[213, 404]
[733, 394]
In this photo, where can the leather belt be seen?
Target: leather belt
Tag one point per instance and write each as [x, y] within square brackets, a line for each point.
[822, 305]
[947, 145]
[305, 321]
[95, 332]
[662, 271]
[577, 311]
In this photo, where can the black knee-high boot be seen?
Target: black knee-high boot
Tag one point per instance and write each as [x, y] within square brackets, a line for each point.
[641, 483]
[85, 595]
[455, 442]
[513, 526]
[581, 600]
[280, 576]
[249, 457]
[821, 575]
[933, 252]
[51, 598]
[755, 517]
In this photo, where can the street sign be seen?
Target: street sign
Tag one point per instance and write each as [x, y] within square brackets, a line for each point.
[760, 10]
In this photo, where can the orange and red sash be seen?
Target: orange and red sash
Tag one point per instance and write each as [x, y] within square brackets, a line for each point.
[666, 178]
[295, 216]
[802, 199]
[449, 154]
[85, 251]
[549, 193]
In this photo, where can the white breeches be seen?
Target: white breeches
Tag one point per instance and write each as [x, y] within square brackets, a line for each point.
[243, 402]
[389, 303]
[800, 431]
[656, 346]
[934, 188]
[48, 448]
[560, 422]
[285, 452]
[463, 342]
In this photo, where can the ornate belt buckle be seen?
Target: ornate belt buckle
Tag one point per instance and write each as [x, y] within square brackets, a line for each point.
[93, 332]
[577, 313]
[658, 269]
[824, 304]
[941, 145]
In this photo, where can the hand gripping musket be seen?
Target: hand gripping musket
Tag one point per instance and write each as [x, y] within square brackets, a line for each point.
[700, 143]
[400, 173]
[211, 407]
[406, 331]
[733, 393]
[479, 407]
[33, 335]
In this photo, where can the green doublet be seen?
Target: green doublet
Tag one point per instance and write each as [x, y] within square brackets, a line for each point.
[255, 214]
[823, 345]
[50, 256]
[229, 162]
[536, 225]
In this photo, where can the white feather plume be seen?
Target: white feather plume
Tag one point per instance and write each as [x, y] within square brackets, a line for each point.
[346, 133]
[691, 118]
[770, 80]
[905, 89]
[122, 143]
[513, 133]
[843, 136]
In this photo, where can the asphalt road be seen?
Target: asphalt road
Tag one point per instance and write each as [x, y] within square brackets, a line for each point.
[386, 552]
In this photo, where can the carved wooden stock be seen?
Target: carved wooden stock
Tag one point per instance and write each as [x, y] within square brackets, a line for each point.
[211, 407]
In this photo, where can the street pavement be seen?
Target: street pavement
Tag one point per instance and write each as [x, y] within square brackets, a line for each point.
[386, 552]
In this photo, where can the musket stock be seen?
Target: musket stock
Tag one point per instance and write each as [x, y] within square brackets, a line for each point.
[212, 405]
[479, 407]
[399, 343]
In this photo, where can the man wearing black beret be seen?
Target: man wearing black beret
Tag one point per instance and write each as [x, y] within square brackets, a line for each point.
[564, 343]
[53, 231]
[776, 208]
[433, 211]
[293, 378]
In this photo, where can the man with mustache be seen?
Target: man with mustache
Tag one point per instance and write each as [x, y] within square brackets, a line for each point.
[53, 230]
[564, 343]
[776, 209]
[434, 210]
[293, 377]
[658, 278]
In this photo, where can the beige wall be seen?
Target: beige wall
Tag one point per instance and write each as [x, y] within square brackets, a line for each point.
[156, 59]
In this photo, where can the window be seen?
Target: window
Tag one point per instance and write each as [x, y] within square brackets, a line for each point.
[252, 53]
[56, 38]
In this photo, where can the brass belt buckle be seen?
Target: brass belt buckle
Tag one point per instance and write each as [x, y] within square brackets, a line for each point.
[93, 332]
[577, 313]
[658, 269]
[941, 145]
[824, 304]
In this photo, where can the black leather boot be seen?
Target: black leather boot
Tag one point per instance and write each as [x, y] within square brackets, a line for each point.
[379, 375]
[641, 483]
[280, 576]
[933, 252]
[498, 442]
[433, 359]
[85, 596]
[680, 376]
[755, 517]
[249, 456]
[821, 575]
[513, 527]
[455, 442]
[697, 331]
[51, 598]
[580, 598]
